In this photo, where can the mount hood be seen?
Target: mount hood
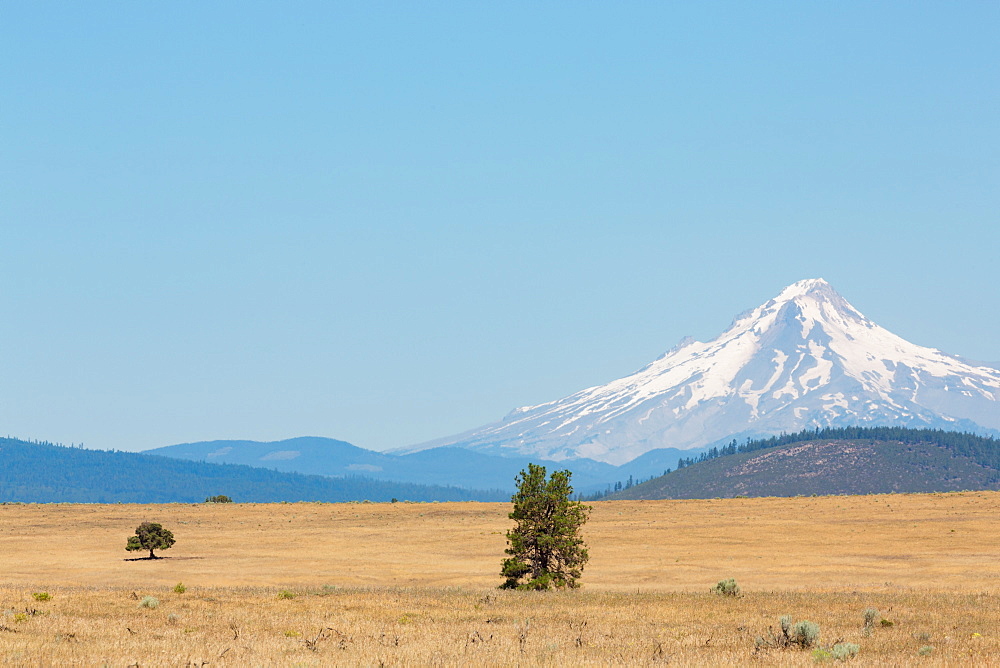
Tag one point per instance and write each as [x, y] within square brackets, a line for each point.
[804, 359]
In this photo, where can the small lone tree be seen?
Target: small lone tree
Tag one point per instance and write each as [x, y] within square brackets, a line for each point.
[150, 536]
[218, 498]
[545, 546]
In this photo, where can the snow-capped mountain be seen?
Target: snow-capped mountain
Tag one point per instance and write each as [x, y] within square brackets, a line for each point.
[806, 358]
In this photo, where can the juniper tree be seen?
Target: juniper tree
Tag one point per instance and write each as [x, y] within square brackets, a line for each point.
[545, 546]
[150, 536]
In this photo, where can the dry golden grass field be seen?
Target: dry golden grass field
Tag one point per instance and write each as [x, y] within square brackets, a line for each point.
[415, 584]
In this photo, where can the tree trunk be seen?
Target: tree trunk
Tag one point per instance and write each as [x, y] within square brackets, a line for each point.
[151, 555]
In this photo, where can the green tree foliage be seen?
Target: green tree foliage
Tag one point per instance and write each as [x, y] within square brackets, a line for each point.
[218, 498]
[545, 546]
[150, 536]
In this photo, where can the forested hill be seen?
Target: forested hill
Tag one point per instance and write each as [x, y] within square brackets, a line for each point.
[48, 473]
[985, 450]
[859, 460]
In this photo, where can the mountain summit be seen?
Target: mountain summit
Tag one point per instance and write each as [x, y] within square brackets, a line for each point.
[804, 359]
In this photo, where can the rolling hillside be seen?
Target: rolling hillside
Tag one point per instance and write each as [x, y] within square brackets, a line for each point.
[936, 462]
[48, 473]
[438, 466]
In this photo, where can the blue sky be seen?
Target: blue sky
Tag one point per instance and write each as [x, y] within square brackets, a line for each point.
[390, 222]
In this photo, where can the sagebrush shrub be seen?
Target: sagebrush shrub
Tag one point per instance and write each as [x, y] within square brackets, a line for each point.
[805, 634]
[727, 587]
[843, 651]
[786, 626]
[870, 615]
[149, 602]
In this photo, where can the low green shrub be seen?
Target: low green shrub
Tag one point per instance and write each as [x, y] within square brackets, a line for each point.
[179, 588]
[285, 595]
[803, 635]
[41, 596]
[149, 602]
[820, 655]
[843, 651]
[727, 587]
[869, 615]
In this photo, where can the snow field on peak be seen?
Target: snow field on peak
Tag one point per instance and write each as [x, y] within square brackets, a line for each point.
[806, 358]
[706, 371]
